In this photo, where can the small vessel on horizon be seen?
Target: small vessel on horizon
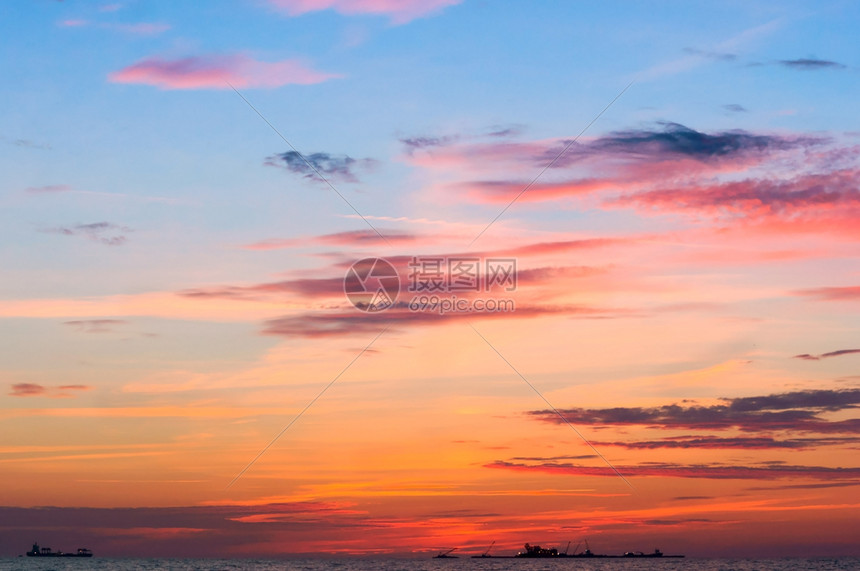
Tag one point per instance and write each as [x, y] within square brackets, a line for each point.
[536, 551]
[447, 554]
[37, 551]
[486, 554]
[657, 553]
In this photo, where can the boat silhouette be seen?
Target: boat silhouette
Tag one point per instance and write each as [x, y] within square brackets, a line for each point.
[37, 551]
[536, 551]
[446, 554]
[486, 554]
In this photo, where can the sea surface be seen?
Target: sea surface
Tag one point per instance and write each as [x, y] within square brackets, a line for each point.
[107, 564]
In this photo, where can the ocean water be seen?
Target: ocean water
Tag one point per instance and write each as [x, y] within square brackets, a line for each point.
[107, 564]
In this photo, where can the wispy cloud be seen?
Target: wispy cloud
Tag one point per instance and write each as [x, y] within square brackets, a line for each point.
[217, 71]
[504, 131]
[95, 325]
[143, 28]
[136, 28]
[74, 23]
[60, 189]
[36, 390]
[413, 144]
[674, 470]
[48, 189]
[849, 293]
[542, 287]
[721, 56]
[26, 390]
[724, 52]
[352, 237]
[307, 287]
[757, 198]
[105, 233]
[673, 140]
[797, 411]
[808, 64]
[730, 443]
[808, 357]
[670, 168]
[26, 143]
[338, 167]
[350, 322]
[399, 11]
[496, 133]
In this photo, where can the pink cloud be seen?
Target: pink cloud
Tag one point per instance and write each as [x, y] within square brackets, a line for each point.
[543, 292]
[503, 192]
[757, 198]
[671, 168]
[836, 219]
[399, 11]
[215, 72]
[350, 322]
[850, 293]
[349, 238]
[307, 287]
[139, 29]
[74, 23]
[26, 390]
[48, 189]
[143, 28]
[35, 390]
[752, 186]
[331, 286]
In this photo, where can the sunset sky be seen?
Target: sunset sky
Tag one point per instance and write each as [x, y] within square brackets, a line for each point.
[186, 185]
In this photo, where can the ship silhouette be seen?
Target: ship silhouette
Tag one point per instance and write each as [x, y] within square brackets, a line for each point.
[536, 551]
[446, 554]
[37, 551]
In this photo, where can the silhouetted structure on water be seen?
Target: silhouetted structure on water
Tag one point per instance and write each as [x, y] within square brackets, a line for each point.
[37, 551]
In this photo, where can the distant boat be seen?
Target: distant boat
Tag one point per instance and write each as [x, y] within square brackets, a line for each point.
[538, 551]
[446, 554]
[37, 551]
[657, 553]
[486, 554]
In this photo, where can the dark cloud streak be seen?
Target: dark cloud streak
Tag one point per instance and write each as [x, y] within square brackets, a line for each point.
[808, 357]
[719, 56]
[797, 411]
[36, 390]
[809, 64]
[745, 443]
[95, 325]
[339, 167]
[105, 233]
[674, 140]
[674, 470]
